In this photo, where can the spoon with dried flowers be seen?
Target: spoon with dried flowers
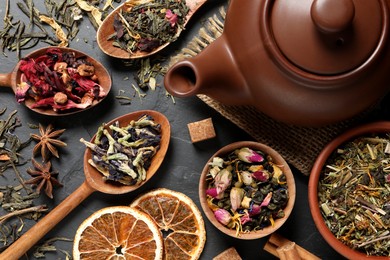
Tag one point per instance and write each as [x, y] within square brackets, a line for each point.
[94, 181]
[138, 28]
[58, 81]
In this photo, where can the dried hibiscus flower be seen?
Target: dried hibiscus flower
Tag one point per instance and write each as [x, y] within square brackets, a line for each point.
[55, 72]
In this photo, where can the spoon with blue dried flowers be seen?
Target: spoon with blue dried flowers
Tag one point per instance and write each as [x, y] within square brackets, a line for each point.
[139, 28]
[124, 180]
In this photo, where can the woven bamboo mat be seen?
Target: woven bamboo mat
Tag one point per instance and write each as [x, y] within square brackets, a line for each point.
[299, 146]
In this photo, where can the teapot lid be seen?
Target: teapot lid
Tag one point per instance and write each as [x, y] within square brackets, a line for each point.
[328, 37]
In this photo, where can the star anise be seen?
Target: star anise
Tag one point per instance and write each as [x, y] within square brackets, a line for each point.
[47, 142]
[42, 176]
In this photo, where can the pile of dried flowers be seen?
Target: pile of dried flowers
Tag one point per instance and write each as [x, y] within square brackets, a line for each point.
[247, 191]
[60, 80]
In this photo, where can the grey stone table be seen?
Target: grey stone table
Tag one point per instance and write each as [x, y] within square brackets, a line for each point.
[181, 168]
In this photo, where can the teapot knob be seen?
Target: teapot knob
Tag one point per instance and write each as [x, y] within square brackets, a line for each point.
[332, 16]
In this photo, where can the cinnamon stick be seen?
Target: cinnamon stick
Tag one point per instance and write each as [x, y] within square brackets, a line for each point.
[279, 246]
[288, 251]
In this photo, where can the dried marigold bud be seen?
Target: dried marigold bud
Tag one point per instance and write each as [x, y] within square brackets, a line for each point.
[60, 98]
[86, 70]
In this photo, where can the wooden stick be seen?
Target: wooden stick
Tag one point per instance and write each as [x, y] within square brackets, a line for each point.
[276, 242]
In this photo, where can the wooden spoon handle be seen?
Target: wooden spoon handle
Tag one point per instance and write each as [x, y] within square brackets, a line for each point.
[5, 80]
[34, 234]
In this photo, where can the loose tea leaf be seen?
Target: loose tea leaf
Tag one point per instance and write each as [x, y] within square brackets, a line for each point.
[10, 144]
[354, 194]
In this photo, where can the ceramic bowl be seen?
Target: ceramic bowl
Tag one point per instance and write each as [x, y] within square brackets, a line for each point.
[278, 160]
[315, 175]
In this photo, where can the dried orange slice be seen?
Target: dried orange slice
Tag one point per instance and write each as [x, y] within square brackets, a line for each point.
[118, 232]
[179, 220]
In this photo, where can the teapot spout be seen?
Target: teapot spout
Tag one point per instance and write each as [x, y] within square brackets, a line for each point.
[213, 72]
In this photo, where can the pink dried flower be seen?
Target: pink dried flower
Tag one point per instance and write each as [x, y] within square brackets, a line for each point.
[267, 200]
[223, 180]
[223, 216]
[172, 17]
[212, 192]
[245, 219]
[262, 176]
[248, 155]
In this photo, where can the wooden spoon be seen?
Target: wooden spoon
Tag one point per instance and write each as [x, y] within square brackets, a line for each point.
[93, 182]
[106, 29]
[13, 78]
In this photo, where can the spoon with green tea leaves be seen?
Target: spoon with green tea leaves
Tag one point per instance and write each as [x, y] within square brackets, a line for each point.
[140, 28]
[95, 180]
[58, 81]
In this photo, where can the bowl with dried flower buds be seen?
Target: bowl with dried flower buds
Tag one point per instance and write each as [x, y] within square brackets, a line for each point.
[349, 192]
[247, 190]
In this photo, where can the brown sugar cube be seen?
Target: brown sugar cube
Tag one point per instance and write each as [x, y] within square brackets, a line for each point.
[201, 130]
[228, 254]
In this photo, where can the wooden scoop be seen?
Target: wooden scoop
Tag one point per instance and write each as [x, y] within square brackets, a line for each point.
[14, 78]
[106, 29]
[93, 182]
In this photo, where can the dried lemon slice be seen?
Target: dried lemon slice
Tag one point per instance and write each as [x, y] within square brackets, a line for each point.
[118, 232]
[178, 218]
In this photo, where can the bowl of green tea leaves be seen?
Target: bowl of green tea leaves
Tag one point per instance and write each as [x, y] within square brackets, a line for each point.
[349, 192]
[247, 190]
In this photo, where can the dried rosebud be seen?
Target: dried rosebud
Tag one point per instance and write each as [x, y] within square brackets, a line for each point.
[223, 216]
[387, 178]
[248, 155]
[236, 196]
[246, 177]
[262, 176]
[212, 192]
[86, 70]
[60, 98]
[223, 180]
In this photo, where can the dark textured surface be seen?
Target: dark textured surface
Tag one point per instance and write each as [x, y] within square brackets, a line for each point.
[181, 168]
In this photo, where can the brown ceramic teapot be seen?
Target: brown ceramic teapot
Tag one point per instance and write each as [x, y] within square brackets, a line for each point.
[302, 62]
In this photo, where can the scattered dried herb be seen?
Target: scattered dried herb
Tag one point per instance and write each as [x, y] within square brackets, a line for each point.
[59, 80]
[43, 176]
[147, 24]
[47, 142]
[48, 246]
[124, 153]
[354, 194]
[62, 15]
[246, 190]
[10, 143]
